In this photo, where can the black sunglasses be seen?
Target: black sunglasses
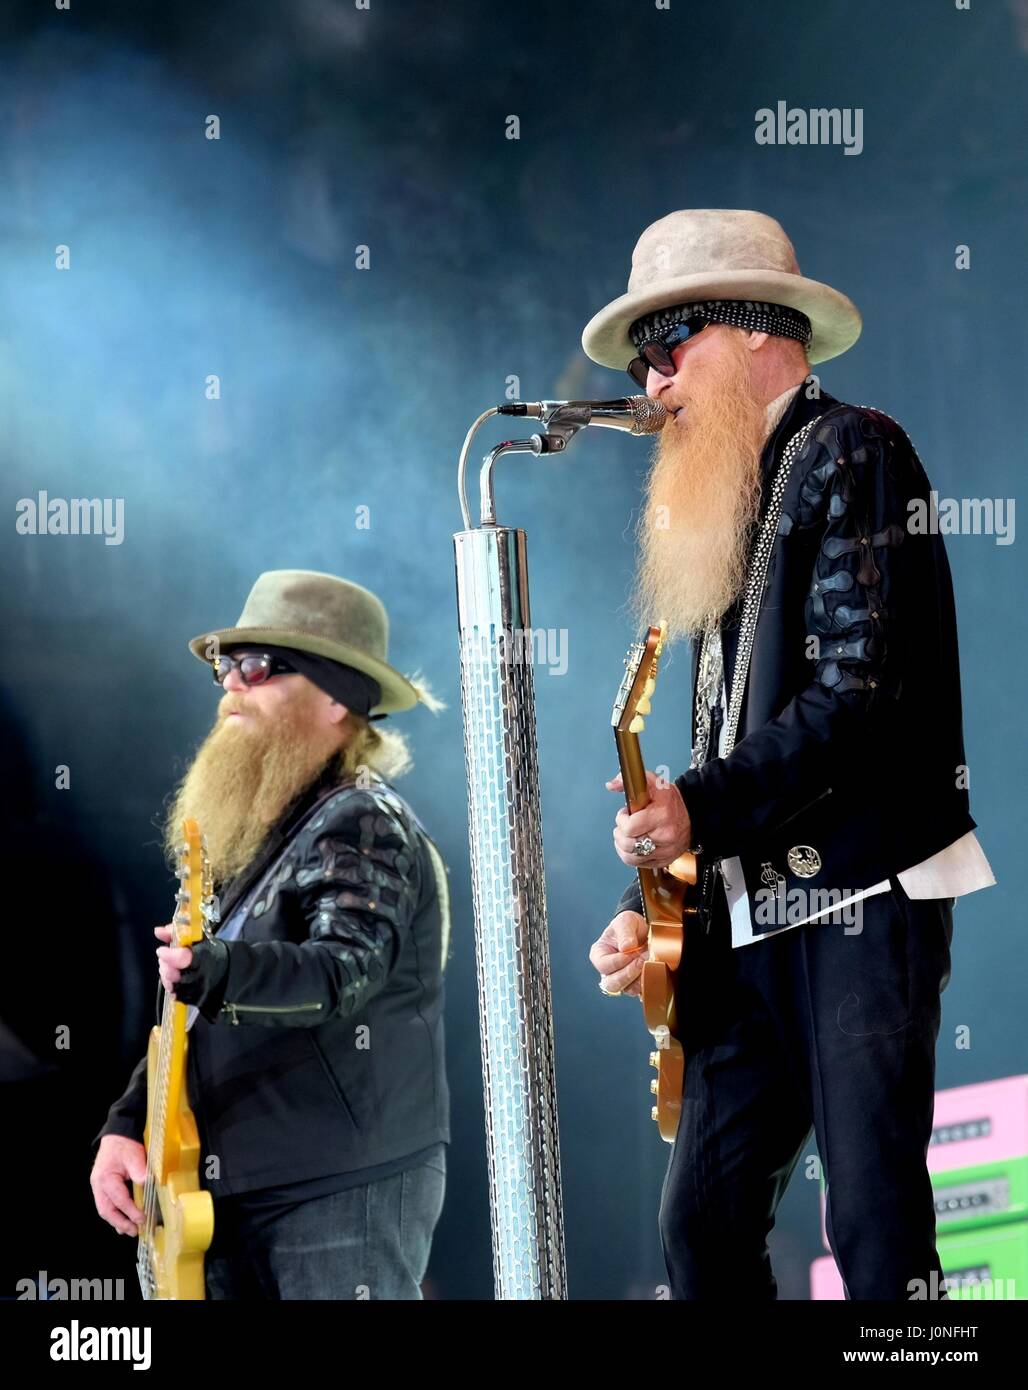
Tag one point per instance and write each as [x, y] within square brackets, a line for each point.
[254, 667]
[656, 352]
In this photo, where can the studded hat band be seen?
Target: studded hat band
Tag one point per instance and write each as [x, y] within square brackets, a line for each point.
[777, 319]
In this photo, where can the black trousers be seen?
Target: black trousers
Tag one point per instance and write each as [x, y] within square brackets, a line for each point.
[822, 1029]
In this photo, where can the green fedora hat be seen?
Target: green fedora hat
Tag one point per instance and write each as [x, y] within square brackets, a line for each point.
[323, 614]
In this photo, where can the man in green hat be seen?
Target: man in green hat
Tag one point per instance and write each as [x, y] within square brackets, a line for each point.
[316, 1064]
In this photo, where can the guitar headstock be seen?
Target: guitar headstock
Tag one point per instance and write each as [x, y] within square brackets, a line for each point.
[632, 702]
[194, 881]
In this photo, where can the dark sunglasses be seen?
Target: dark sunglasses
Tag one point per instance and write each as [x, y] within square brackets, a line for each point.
[254, 667]
[656, 352]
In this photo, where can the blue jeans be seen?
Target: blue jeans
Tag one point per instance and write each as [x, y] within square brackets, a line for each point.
[369, 1242]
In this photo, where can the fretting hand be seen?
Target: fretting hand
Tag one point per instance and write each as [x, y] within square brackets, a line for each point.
[665, 820]
[171, 960]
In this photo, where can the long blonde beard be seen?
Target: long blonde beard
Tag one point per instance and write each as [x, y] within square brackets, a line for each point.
[702, 498]
[245, 775]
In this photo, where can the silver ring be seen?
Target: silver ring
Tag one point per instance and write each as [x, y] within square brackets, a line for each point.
[610, 993]
[644, 847]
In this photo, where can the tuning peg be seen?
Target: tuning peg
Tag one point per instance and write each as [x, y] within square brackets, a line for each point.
[653, 1086]
[649, 687]
[637, 725]
[654, 1114]
[644, 706]
[654, 1059]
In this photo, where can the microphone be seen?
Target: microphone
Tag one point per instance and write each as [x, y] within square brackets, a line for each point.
[636, 414]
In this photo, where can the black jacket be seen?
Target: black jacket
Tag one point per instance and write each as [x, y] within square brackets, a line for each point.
[319, 1045]
[853, 744]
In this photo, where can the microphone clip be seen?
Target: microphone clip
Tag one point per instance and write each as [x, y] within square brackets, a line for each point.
[562, 424]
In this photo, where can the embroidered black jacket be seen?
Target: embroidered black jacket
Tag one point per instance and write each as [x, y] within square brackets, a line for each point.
[850, 737]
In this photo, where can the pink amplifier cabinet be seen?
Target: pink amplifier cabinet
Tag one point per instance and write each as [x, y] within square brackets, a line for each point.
[825, 1280]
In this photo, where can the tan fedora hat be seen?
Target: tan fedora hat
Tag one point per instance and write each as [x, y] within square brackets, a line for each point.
[719, 253]
[323, 614]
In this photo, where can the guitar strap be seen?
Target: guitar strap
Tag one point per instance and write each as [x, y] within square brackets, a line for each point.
[710, 678]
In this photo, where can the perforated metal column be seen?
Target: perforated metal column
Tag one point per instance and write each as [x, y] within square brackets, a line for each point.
[511, 940]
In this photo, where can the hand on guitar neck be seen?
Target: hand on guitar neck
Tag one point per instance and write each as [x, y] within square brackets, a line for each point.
[171, 960]
[665, 820]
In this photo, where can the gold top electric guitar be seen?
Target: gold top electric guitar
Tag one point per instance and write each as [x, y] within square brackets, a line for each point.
[669, 895]
[178, 1217]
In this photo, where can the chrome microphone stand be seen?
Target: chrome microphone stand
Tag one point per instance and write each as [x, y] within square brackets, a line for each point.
[511, 940]
[505, 831]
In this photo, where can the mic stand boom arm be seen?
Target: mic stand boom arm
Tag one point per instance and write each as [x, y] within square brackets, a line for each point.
[561, 427]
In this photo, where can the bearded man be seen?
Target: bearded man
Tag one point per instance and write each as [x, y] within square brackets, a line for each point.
[827, 784]
[315, 1059]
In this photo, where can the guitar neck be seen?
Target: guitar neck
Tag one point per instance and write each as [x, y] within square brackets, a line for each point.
[637, 795]
[633, 770]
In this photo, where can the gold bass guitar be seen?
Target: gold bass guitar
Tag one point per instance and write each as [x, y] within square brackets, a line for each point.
[178, 1217]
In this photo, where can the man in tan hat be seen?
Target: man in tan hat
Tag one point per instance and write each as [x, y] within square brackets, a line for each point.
[316, 1067]
[826, 796]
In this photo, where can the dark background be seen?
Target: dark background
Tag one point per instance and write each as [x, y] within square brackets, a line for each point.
[340, 388]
